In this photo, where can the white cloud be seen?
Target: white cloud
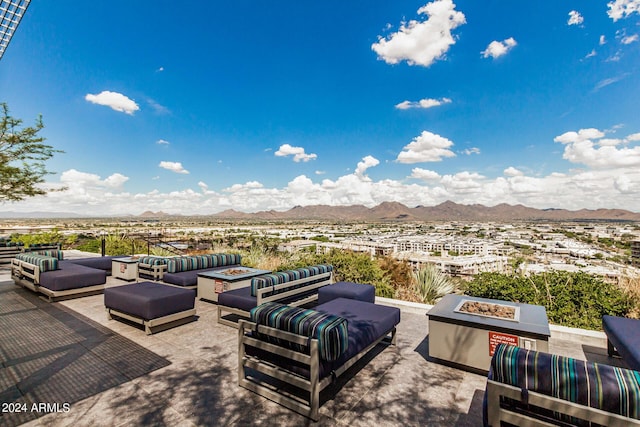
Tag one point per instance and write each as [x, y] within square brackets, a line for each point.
[629, 39]
[511, 171]
[606, 82]
[173, 167]
[422, 42]
[427, 147]
[591, 54]
[575, 18]
[366, 163]
[423, 103]
[602, 40]
[588, 147]
[424, 174]
[162, 142]
[116, 101]
[470, 151]
[298, 153]
[497, 49]
[76, 179]
[619, 9]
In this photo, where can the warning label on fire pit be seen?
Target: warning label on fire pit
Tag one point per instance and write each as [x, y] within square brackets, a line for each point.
[496, 338]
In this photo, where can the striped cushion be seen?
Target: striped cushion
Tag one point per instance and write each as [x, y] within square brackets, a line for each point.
[329, 330]
[184, 263]
[199, 262]
[55, 253]
[152, 260]
[273, 279]
[604, 387]
[43, 262]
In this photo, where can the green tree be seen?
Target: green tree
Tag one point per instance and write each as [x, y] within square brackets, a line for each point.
[22, 156]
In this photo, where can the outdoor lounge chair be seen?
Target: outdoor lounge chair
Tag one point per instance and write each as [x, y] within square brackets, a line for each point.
[308, 349]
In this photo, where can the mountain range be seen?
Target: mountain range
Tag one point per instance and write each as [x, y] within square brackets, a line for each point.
[388, 211]
[447, 211]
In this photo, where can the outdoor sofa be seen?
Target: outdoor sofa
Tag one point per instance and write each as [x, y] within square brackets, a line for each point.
[183, 270]
[293, 287]
[531, 388]
[284, 350]
[49, 274]
[623, 339]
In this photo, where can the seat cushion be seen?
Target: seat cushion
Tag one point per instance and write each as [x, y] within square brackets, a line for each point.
[72, 276]
[148, 300]
[240, 298]
[357, 291]
[99, 262]
[624, 334]
[366, 323]
[183, 278]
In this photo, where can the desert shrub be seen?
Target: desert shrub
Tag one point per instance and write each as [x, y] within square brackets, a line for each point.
[431, 284]
[571, 299]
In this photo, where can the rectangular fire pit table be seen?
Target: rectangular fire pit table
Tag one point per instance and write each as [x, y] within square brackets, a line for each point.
[212, 283]
[469, 339]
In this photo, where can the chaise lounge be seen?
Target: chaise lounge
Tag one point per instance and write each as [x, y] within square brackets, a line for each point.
[283, 349]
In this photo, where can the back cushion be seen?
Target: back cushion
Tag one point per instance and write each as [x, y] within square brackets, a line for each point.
[273, 279]
[55, 253]
[329, 330]
[183, 263]
[152, 260]
[44, 263]
[599, 386]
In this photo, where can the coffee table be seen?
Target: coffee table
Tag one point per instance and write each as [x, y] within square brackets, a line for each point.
[212, 283]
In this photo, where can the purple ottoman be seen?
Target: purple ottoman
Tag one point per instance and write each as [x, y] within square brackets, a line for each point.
[151, 304]
[350, 290]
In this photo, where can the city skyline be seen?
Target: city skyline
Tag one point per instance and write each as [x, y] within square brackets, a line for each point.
[252, 106]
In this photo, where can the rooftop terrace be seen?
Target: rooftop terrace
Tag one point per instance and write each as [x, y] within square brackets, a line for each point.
[94, 371]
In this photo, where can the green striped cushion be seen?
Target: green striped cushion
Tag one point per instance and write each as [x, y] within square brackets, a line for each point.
[43, 262]
[600, 386]
[329, 330]
[152, 260]
[273, 279]
[55, 253]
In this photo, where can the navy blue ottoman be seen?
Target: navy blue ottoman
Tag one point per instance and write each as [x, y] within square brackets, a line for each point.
[623, 335]
[151, 304]
[356, 291]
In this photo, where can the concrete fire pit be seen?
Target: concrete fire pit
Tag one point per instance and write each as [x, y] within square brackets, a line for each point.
[464, 330]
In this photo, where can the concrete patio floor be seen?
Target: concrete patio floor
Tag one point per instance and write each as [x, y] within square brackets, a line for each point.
[193, 380]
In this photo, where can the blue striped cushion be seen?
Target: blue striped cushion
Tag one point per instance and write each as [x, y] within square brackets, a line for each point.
[152, 260]
[185, 263]
[329, 330]
[44, 263]
[605, 387]
[55, 253]
[273, 279]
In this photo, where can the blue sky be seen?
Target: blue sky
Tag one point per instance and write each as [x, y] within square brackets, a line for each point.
[197, 107]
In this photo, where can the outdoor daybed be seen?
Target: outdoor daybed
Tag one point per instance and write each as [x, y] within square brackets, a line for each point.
[56, 278]
[183, 270]
[293, 287]
[283, 347]
[527, 387]
[623, 338]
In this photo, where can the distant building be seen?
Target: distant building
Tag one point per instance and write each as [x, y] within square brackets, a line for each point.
[458, 266]
[635, 252]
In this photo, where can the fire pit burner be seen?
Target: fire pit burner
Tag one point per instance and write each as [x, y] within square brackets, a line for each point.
[488, 309]
[234, 272]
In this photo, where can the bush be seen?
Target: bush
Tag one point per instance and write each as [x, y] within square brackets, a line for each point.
[571, 299]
